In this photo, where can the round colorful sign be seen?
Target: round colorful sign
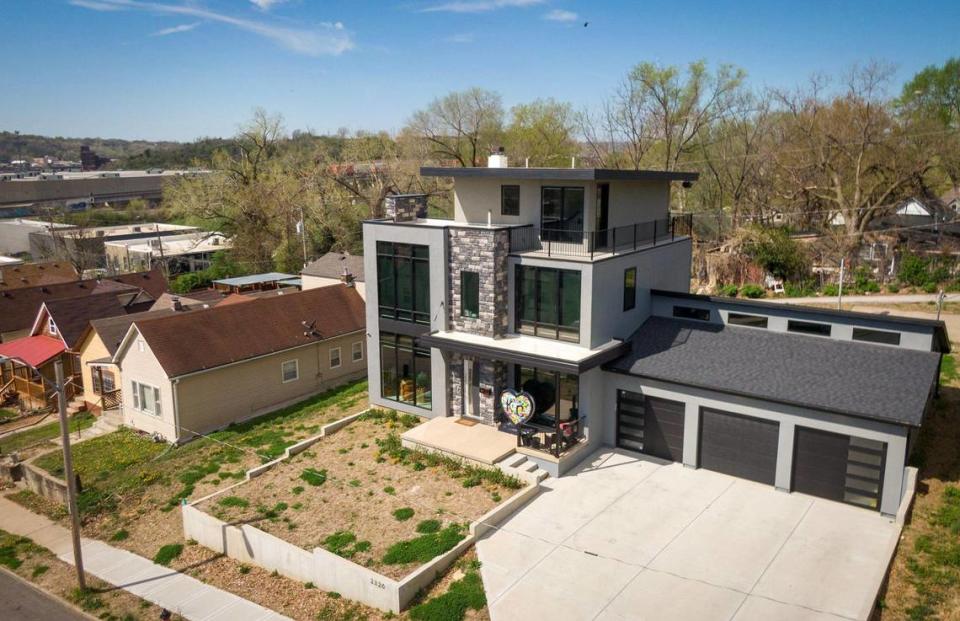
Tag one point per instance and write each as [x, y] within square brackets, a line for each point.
[517, 406]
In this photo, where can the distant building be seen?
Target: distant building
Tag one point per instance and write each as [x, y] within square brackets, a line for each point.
[89, 160]
[179, 253]
[256, 282]
[335, 268]
[91, 240]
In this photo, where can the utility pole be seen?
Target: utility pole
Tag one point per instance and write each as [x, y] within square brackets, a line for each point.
[940, 299]
[303, 236]
[69, 474]
[840, 289]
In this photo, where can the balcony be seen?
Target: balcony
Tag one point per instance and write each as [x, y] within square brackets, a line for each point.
[591, 245]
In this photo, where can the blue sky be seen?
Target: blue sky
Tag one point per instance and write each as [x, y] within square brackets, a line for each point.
[180, 69]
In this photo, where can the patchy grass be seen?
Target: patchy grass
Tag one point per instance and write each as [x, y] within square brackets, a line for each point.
[233, 501]
[167, 553]
[403, 514]
[428, 526]
[120, 535]
[425, 547]
[43, 433]
[948, 370]
[463, 595]
[314, 477]
[7, 415]
[344, 543]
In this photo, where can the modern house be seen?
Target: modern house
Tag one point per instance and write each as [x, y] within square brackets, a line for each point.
[335, 268]
[564, 292]
[193, 372]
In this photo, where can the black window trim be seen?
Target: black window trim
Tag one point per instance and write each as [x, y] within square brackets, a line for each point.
[629, 301]
[503, 188]
[894, 337]
[394, 312]
[694, 310]
[731, 315]
[463, 294]
[392, 339]
[559, 233]
[536, 323]
[817, 328]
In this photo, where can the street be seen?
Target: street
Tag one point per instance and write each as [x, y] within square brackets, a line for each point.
[24, 603]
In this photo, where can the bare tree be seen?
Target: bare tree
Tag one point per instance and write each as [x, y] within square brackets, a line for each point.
[462, 126]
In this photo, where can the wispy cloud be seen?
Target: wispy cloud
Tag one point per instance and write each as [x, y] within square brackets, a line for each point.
[464, 37]
[479, 6]
[560, 15]
[266, 5]
[322, 39]
[175, 29]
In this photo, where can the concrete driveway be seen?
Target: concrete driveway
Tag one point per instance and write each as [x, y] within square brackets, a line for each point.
[627, 537]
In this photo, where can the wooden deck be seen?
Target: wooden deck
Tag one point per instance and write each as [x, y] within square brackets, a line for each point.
[477, 443]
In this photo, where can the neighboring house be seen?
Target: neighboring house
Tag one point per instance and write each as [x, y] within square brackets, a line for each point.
[35, 274]
[571, 285]
[256, 282]
[96, 347]
[177, 253]
[62, 322]
[194, 372]
[90, 241]
[335, 268]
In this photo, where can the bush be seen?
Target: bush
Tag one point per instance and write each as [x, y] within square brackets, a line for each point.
[428, 526]
[167, 553]
[831, 289]
[729, 290]
[120, 535]
[798, 290]
[893, 288]
[914, 270]
[233, 501]
[425, 547]
[753, 291]
[775, 251]
[314, 477]
[403, 514]
[930, 287]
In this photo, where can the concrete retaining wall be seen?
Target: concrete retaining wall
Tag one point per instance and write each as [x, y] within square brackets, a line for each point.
[44, 484]
[326, 570]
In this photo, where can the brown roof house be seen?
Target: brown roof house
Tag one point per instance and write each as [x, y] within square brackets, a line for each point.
[335, 268]
[194, 372]
[34, 274]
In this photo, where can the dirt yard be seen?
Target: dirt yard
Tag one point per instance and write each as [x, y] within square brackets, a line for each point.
[350, 495]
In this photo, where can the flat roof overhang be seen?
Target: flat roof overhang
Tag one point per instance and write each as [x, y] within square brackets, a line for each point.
[525, 350]
[560, 174]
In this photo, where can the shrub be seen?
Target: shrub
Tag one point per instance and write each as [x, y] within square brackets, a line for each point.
[314, 477]
[930, 287]
[428, 526]
[775, 251]
[120, 535]
[914, 270]
[425, 547]
[753, 291]
[893, 288]
[831, 289]
[389, 490]
[464, 594]
[729, 290]
[403, 514]
[167, 553]
[233, 501]
[798, 290]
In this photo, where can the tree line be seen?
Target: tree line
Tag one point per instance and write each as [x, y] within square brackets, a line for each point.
[845, 146]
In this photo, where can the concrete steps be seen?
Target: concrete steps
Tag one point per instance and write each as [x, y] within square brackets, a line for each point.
[109, 421]
[522, 467]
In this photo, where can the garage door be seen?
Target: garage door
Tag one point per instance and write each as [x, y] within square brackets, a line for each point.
[650, 425]
[838, 467]
[741, 446]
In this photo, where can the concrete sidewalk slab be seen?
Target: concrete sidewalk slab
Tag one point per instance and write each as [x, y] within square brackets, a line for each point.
[506, 558]
[163, 586]
[762, 609]
[656, 596]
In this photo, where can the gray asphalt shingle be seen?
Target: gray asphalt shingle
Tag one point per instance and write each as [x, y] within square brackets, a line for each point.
[874, 381]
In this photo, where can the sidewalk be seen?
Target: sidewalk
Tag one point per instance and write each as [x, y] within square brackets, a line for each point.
[163, 586]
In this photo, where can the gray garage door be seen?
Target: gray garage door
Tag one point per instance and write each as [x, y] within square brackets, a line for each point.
[838, 467]
[741, 446]
[650, 425]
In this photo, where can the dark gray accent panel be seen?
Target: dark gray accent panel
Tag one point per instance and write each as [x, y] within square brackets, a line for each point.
[650, 425]
[741, 446]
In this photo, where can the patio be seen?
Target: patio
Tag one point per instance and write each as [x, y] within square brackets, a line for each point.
[477, 442]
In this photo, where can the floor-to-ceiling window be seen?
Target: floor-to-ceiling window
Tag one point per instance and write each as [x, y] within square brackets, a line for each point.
[554, 394]
[403, 281]
[548, 302]
[405, 374]
[561, 213]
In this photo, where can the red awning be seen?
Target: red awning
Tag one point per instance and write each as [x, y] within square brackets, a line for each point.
[33, 350]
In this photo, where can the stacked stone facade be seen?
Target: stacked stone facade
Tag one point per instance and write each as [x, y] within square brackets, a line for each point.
[484, 251]
[403, 207]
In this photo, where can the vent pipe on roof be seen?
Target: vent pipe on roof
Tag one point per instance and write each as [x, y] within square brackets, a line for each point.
[498, 159]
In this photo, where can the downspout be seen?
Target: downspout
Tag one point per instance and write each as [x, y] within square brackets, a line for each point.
[176, 410]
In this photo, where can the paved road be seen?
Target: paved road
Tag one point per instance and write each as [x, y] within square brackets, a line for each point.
[917, 298]
[22, 602]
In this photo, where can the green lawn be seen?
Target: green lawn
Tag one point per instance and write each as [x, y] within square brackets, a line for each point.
[125, 465]
[41, 433]
[7, 415]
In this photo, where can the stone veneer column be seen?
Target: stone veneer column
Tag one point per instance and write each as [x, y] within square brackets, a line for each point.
[483, 251]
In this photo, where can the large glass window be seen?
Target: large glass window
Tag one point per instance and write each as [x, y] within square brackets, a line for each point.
[629, 288]
[403, 281]
[470, 294]
[405, 372]
[561, 213]
[554, 394]
[548, 302]
[510, 200]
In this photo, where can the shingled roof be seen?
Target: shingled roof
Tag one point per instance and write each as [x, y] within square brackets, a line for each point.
[111, 330]
[879, 382]
[331, 265]
[153, 282]
[35, 274]
[19, 307]
[205, 339]
[72, 315]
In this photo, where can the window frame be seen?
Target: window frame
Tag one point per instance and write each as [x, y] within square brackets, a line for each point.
[354, 350]
[404, 347]
[475, 277]
[339, 357]
[691, 312]
[503, 200]
[629, 290]
[816, 328]
[135, 391]
[894, 337]
[411, 261]
[562, 233]
[562, 329]
[283, 370]
[139, 402]
[52, 327]
[747, 316]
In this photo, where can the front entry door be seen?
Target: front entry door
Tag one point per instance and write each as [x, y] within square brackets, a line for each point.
[471, 388]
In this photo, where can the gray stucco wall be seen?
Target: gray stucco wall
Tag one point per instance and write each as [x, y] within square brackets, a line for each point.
[788, 417]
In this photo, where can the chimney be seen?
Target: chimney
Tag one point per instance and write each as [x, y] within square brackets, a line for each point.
[177, 306]
[405, 207]
[345, 276]
[498, 159]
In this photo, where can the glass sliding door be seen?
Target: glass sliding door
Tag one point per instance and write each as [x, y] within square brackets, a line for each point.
[561, 214]
[548, 302]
